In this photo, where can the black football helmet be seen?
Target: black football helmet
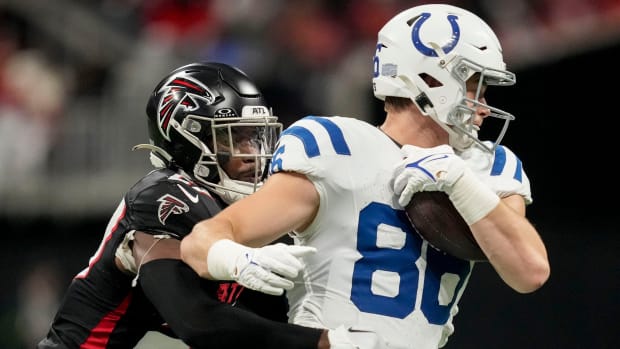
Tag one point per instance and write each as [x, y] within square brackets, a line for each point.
[198, 114]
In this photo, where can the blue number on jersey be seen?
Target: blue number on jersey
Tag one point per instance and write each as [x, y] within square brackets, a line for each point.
[374, 258]
[401, 261]
[387, 259]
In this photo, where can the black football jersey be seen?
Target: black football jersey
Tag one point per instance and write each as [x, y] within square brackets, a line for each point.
[101, 309]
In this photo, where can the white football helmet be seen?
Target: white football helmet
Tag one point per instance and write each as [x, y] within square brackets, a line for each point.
[449, 44]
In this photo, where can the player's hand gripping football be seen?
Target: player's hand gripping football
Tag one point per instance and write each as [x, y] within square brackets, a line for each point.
[267, 269]
[440, 169]
[426, 169]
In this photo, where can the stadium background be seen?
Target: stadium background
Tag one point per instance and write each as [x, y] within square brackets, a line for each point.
[75, 77]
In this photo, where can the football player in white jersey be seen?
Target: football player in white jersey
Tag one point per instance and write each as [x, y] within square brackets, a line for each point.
[340, 185]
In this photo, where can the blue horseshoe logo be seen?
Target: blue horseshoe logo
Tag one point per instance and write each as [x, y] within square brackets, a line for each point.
[427, 51]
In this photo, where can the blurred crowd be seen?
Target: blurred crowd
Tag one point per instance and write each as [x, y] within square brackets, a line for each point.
[75, 77]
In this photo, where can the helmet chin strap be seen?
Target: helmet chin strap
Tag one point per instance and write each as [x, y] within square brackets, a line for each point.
[463, 140]
[458, 139]
[232, 190]
[229, 190]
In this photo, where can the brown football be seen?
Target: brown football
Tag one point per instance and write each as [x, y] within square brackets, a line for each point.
[436, 219]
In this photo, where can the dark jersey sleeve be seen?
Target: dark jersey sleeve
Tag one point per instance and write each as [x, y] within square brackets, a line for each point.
[165, 202]
[181, 298]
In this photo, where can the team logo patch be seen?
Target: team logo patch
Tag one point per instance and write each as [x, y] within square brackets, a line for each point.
[170, 205]
[428, 51]
[181, 93]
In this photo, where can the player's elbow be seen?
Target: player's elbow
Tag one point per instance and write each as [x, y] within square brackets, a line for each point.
[533, 278]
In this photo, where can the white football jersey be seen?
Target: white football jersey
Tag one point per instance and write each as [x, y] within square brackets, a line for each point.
[372, 271]
[502, 171]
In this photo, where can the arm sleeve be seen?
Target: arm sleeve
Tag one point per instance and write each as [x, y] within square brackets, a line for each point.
[264, 305]
[201, 321]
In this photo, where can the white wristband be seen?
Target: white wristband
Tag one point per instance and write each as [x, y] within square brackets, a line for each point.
[472, 198]
[222, 259]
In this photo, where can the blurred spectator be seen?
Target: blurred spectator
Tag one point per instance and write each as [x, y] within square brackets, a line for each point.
[189, 23]
[32, 98]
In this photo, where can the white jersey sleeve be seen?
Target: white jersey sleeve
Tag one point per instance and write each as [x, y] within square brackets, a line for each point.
[502, 171]
[372, 271]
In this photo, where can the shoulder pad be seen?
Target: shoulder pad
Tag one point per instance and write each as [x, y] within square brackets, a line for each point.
[167, 202]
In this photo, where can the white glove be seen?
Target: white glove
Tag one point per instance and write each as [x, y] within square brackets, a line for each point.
[426, 169]
[268, 269]
[440, 169]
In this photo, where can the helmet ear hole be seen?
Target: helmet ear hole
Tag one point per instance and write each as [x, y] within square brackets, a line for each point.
[423, 102]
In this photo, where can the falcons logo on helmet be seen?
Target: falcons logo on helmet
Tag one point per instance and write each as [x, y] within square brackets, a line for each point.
[170, 205]
[180, 92]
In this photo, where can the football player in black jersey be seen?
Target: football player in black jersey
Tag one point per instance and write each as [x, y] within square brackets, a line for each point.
[211, 136]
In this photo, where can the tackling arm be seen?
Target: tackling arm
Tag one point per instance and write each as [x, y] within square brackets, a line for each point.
[286, 202]
[198, 319]
[204, 322]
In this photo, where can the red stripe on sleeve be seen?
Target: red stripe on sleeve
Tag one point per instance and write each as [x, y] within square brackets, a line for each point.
[100, 334]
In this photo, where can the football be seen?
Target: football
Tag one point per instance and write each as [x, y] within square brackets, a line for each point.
[436, 219]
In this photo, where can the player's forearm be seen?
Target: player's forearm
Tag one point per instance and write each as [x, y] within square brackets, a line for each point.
[195, 246]
[202, 321]
[507, 238]
[514, 248]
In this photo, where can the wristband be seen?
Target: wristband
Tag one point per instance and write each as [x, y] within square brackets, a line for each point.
[472, 198]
